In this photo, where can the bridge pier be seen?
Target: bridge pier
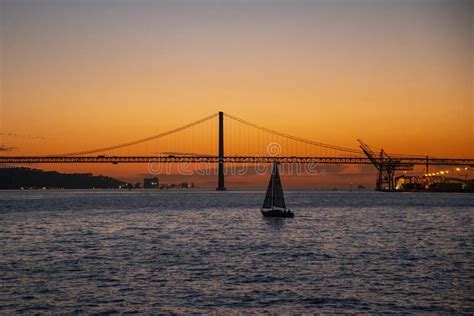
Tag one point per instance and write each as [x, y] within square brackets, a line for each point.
[220, 163]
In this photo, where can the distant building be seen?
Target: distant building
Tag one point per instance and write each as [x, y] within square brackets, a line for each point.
[151, 183]
[435, 183]
[182, 185]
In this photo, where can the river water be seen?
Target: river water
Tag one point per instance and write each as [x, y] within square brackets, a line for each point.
[204, 251]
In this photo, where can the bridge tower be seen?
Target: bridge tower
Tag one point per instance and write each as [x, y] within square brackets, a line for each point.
[220, 163]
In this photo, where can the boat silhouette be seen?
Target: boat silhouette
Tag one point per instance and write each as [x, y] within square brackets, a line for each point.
[274, 203]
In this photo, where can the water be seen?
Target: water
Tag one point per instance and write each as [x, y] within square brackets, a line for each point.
[195, 252]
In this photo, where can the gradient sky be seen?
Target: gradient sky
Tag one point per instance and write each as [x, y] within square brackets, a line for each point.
[80, 74]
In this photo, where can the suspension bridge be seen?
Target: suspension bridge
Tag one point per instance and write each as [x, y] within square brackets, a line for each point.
[209, 140]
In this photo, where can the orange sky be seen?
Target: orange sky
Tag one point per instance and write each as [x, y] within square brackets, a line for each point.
[78, 75]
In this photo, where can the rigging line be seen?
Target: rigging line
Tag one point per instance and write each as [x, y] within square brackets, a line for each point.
[139, 140]
[299, 139]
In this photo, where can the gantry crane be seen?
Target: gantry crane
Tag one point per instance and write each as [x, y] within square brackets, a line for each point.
[386, 166]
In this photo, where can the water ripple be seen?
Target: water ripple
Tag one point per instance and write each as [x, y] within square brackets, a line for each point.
[109, 252]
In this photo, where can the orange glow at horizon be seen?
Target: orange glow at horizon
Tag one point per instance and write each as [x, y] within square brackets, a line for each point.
[78, 77]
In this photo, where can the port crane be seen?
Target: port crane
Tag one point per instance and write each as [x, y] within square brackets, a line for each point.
[385, 165]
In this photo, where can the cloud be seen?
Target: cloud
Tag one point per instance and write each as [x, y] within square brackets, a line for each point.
[25, 136]
[6, 148]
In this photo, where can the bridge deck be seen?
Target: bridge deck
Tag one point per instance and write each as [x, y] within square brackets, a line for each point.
[405, 161]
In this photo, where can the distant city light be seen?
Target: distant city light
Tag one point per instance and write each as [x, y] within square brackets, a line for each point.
[458, 169]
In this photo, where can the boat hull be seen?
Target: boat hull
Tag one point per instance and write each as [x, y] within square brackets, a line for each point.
[278, 213]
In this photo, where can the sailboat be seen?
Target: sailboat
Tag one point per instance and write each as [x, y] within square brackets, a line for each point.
[274, 204]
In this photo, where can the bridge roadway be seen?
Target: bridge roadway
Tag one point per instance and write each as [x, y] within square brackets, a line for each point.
[400, 161]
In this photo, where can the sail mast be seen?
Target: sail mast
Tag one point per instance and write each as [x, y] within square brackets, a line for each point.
[273, 180]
